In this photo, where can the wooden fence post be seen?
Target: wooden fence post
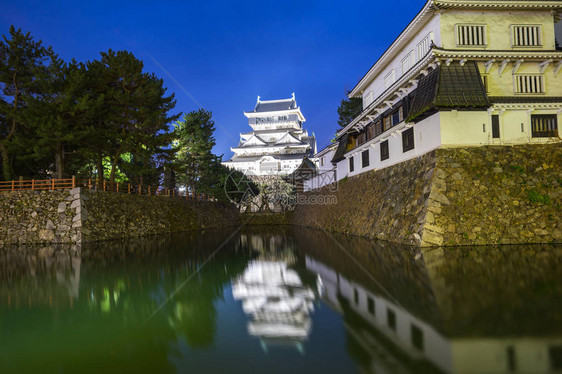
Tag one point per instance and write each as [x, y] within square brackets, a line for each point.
[73, 181]
[129, 188]
[140, 188]
[13, 184]
[104, 185]
[53, 184]
[148, 190]
[117, 186]
[32, 184]
[89, 183]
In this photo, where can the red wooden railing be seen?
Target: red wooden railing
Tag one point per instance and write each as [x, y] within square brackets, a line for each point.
[93, 184]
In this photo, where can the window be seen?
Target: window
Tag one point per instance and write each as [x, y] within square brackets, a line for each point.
[389, 79]
[365, 158]
[495, 126]
[361, 138]
[529, 83]
[408, 140]
[544, 126]
[370, 131]
[351, 164]
[468, 35]
[387, 122]
[322, 161]
[355, 296]
[511, 363]
[526, 36]
[417, 337]
[391, 319]
[384, 150]
[397, 116]
[371, 305]
[407, 62]
[378, 128]
[424, 45]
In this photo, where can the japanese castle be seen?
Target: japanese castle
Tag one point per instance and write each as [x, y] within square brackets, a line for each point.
[462, 73]
[277, 143]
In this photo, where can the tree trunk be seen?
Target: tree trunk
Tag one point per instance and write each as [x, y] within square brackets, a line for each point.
[59, 161]
[6, 165]
[114, 165]
[100, 171]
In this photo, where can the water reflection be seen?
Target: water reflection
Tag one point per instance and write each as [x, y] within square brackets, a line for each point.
[476, 310]
[279, 300]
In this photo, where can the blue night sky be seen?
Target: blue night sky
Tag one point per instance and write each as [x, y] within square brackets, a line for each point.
[225, 53]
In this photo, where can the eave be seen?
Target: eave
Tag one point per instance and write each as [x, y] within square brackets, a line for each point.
[497, 4]
[403, 81]
[499, 54]
[411, 29]
[296, 111]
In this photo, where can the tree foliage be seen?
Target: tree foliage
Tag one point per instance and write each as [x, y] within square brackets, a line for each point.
[348, 110]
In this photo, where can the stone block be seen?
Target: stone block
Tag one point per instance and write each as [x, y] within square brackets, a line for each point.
[74, 191]
[46, 235]
[61, 208]
[50, 225]
[75, 204]
[430, 238]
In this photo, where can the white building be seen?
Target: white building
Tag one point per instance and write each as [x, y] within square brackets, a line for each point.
[462, 73]
[277, 143]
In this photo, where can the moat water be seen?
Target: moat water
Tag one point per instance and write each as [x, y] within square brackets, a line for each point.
[279, 300]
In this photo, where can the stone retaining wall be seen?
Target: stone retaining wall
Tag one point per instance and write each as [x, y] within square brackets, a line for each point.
[484, 195]
[77, 215]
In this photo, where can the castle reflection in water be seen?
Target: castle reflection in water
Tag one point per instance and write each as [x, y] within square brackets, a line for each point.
[455, 310]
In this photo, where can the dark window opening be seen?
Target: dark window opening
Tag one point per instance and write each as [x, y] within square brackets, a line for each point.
[544, 126]
[371, 305]
[391, 319]
[495, 126]
[511, 365]
[408, 140]
[365, 158]
[378, 128]
[555, 353]
[355, 296]
[384, 150]
[417, 337]
[351, 164]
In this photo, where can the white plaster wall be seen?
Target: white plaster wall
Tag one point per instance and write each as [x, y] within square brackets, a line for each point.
[498, 27]
[427, 137]
[531, 355]
[463, 128]
[377, 86]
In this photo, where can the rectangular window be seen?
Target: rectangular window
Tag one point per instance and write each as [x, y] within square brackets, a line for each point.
[408, 140]
[378, 128]
[370, 131]
[407, 62]
[397, 116]
[365, 158]
[384, 150]
[351, 164]
[544, 126]
[322, 161]
[529, 84]
[389, 79]
[361, 138]
[391, 319]
[511, 363]
[495, 126]
[371, 305]
[417, 337]
[423, 46]
[468, 35]
[387, 122]
[526, 36]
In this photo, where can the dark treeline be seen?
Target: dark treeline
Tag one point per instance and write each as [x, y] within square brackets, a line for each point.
[100, 119]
